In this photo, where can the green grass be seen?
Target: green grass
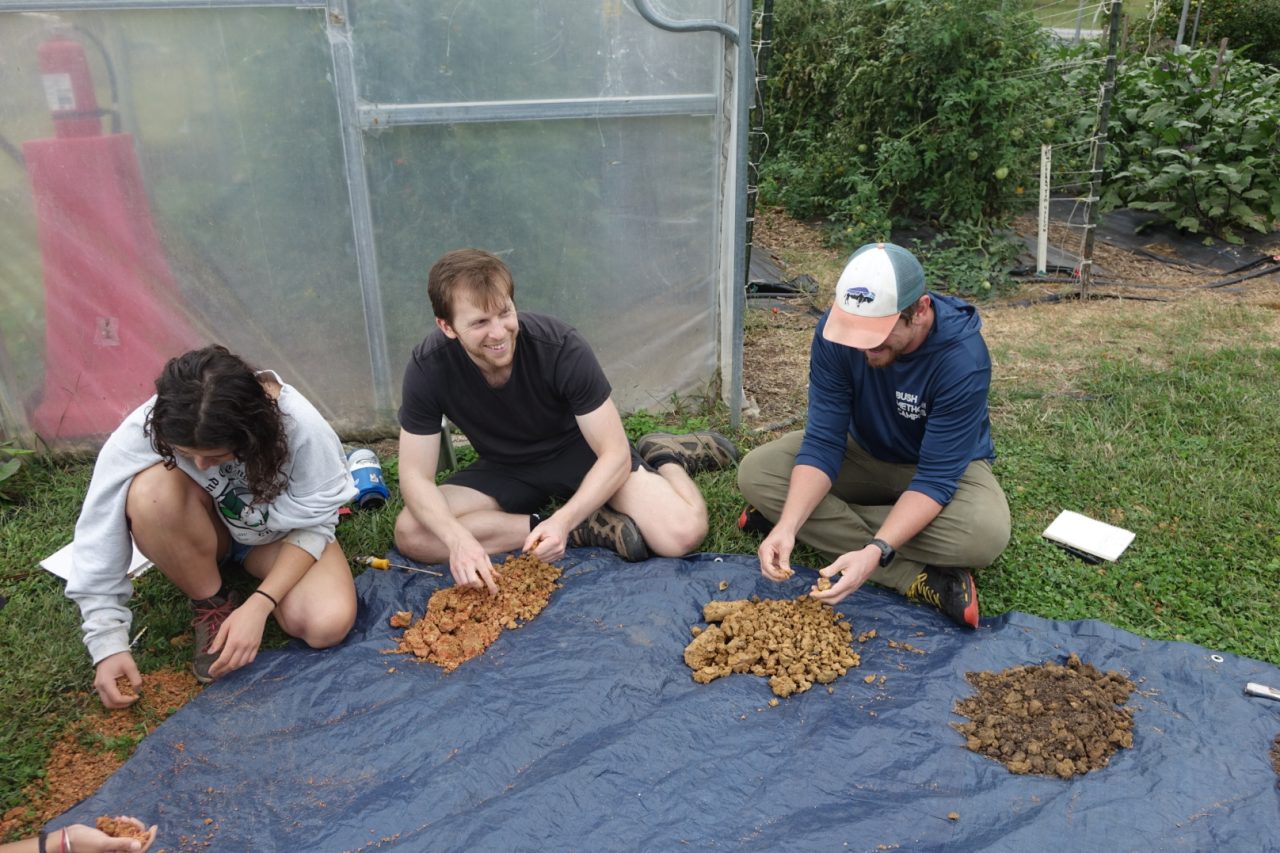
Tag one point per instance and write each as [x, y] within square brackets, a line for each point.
[1183, 454]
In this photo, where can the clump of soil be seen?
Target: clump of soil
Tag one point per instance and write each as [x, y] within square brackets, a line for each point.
[1051, 719]
[97, 745]
[121, 828]
[795, 643]
[1275, 755]
[460, 623]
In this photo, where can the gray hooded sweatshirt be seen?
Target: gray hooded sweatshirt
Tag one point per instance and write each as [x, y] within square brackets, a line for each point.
[304, 514]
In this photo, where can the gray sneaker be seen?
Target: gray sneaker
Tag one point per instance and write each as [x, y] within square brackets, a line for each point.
[607, 528]
[207, 621]
[695, 451]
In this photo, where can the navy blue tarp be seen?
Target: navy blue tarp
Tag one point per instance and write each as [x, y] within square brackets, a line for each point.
[584, 731]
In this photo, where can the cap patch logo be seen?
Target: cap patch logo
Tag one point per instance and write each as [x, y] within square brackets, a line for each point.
[859, 296]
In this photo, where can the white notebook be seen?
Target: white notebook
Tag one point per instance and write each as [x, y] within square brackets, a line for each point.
[1088, 536]
[59, 562]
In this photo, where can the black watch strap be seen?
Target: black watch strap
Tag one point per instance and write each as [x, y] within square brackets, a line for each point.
[886, 551]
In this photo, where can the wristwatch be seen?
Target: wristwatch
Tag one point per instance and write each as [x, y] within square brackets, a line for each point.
[886, 551]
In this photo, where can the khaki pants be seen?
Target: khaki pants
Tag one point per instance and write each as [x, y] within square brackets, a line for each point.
[970, 532]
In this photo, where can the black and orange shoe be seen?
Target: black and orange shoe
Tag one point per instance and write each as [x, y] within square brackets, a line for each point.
[950, 590]
[752, 520]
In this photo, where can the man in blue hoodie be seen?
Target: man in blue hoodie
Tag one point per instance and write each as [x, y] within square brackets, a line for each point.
[891, 478]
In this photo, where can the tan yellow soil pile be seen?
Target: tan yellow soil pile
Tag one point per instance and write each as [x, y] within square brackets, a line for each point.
[794, 643]
[1050, 719]
[460, 623]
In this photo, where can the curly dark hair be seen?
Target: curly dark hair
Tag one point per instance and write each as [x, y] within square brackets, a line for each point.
[210, 399]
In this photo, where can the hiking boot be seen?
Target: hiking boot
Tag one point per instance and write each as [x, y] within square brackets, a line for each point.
[752, 520]
[950, 590]
[607, 528]
[210, 614]
[695, 451]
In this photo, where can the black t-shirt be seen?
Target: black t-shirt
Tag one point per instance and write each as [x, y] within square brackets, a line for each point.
[554, 378]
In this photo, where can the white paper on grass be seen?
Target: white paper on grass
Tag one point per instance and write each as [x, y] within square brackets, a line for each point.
[1089, 535]
[59, 562]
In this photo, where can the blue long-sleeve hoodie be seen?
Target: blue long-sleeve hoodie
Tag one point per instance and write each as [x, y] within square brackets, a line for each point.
[928, 408]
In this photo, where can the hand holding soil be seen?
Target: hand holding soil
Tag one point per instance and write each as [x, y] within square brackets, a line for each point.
[124, 829]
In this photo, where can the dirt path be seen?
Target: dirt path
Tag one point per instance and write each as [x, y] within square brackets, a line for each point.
[1149, 312]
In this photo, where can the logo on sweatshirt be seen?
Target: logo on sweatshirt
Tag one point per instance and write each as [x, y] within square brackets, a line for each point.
[910, 406]
[237, 509]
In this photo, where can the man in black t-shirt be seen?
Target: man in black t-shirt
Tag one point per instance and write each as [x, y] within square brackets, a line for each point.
[530, 396]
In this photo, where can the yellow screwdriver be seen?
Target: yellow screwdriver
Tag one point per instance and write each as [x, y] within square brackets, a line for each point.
[383, 564]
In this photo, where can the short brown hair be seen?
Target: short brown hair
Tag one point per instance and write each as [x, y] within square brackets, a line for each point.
[910, 310]
[476, 271]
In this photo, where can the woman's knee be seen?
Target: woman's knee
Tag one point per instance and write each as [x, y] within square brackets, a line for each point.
[326, 625]
[164, 498]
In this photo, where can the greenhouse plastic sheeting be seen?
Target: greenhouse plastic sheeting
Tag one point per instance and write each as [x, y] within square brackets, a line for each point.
[583, 730]
[281, 179]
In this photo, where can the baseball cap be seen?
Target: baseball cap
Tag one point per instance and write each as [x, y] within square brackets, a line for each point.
[878, 282]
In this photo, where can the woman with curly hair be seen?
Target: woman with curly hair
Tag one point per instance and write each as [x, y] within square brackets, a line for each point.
[223, 465]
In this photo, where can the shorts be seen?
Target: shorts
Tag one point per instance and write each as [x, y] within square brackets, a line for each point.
[235, 555]
[528, 488]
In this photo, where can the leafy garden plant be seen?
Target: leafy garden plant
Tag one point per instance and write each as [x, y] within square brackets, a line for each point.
[1196, 139]
[883, 111]
[1251, 27]
[10, 462]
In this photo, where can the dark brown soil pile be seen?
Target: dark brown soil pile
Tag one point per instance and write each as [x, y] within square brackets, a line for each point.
[460, 623]
[1275, 755]
[794, 643]
[97, 745]
[1051, 719]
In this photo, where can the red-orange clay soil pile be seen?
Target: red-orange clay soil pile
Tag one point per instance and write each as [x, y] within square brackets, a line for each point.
[1051, 719]
[97, 745]
[460, 623]
[794, 643]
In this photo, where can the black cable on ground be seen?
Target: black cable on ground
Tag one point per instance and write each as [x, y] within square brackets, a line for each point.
[1239, 278]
